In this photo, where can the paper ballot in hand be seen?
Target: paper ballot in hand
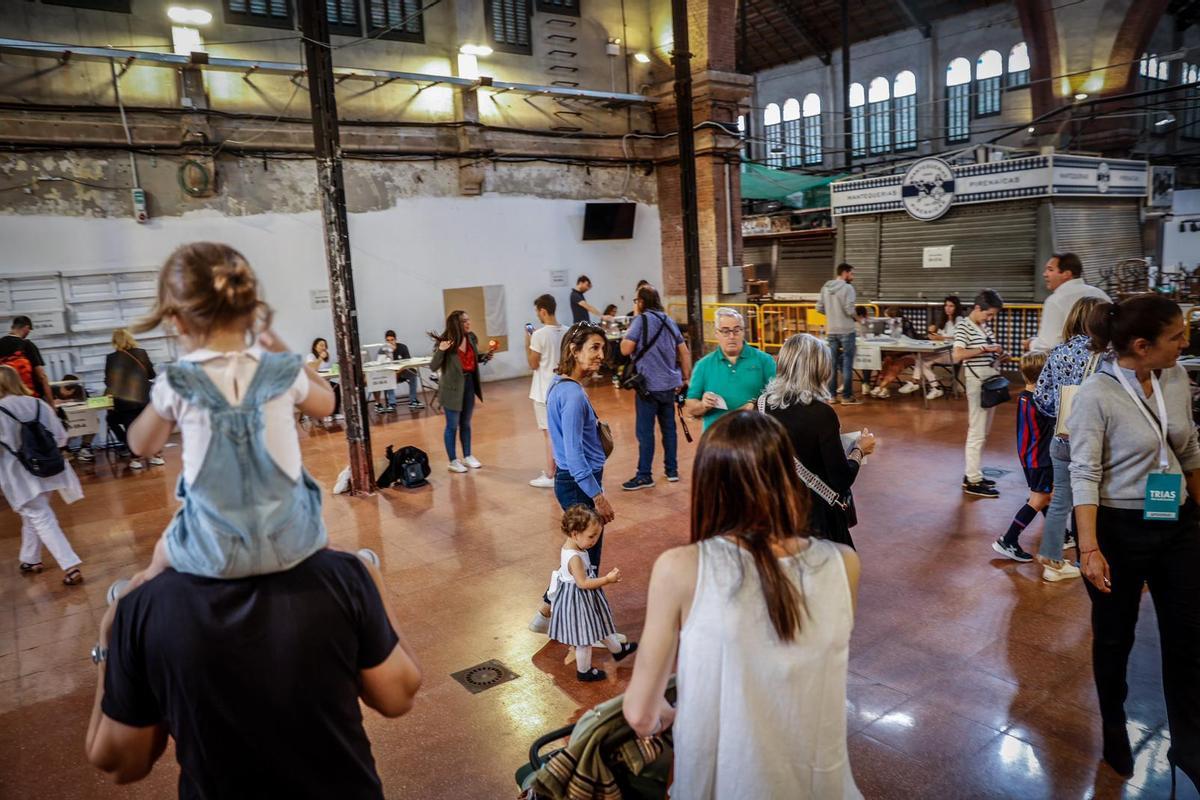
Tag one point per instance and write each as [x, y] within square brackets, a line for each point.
[849, 440]
[719, 402]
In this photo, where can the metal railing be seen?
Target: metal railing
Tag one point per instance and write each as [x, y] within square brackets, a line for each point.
[768, 325]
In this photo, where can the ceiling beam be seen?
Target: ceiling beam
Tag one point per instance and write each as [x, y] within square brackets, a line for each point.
[917, 21]
[811, 40]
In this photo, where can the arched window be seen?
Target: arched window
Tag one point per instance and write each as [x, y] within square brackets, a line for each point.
[773, 133]
[988, 69]
[1018, 65]
[813, 151]
[879, 115]
[858, 120]
[1190, 129]
[1152, 69]
[958, 100]
[904, 103]
[792, 144]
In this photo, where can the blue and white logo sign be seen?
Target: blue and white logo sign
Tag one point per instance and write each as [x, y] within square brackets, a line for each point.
[927, 190]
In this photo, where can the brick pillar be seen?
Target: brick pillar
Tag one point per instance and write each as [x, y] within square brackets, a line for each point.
[717, 95]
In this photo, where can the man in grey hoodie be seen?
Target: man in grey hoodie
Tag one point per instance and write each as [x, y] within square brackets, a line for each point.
[837, 304]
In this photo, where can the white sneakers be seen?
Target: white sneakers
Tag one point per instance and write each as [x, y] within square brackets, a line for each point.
[539, 624]
[461, 464]
[456, 466]
[1054, 571]
[156, 461]
[136, 464]
[472, 462]
[542, 481]
[882, 392]
[909, 387]
[935, 391]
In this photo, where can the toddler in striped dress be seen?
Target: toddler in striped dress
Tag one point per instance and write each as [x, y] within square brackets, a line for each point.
[579, 612]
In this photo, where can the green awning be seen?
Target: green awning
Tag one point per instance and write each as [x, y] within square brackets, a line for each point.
[793, 189]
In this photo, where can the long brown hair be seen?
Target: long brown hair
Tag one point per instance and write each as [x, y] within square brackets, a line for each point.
[744, 485]
[1118, 325]
[572, 342]
[208, 286]
[454, 330]
[11, 384]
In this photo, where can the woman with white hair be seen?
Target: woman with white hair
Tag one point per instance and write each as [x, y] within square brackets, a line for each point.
[799, 398]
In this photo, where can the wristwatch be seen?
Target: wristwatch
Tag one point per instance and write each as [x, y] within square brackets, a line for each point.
[99, 654]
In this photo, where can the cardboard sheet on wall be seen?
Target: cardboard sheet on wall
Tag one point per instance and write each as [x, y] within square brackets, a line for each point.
[485, 306]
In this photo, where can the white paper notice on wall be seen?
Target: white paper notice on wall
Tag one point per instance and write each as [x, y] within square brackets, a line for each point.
[558, 278]
[47, 323]
[937, 257]
[318, 299]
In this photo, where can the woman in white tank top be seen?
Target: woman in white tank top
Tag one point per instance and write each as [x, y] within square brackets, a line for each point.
[761, 617]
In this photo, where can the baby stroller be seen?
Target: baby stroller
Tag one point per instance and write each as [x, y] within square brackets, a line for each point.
[603, 759]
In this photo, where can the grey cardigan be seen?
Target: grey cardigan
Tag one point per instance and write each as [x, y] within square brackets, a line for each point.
[1113, 447]
[452, 380]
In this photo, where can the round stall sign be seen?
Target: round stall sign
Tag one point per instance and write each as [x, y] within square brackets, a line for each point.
[927, 190]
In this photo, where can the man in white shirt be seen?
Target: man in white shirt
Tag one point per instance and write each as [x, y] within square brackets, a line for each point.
[542, 350]
[1063, 279]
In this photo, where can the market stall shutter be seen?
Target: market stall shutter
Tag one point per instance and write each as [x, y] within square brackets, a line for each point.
[805, 263]
[760, 253]
[858, 242]
[995, 246]
[1100, 232]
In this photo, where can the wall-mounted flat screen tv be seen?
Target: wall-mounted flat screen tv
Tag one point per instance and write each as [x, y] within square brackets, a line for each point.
[609, 220]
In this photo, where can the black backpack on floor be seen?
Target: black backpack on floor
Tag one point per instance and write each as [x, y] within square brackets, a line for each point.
[408, 466]
[38, 451]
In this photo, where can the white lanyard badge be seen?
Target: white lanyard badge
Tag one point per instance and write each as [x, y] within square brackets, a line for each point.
[1160, 427]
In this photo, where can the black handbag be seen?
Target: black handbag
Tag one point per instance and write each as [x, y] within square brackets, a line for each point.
[993, 391]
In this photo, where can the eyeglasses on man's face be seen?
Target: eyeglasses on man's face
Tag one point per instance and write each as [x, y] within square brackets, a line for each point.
[738, 331]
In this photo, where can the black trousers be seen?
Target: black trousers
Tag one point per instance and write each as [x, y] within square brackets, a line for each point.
[121, 416]
[1166, 557]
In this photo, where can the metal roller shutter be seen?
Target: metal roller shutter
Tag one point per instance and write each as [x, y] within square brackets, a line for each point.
[858, 241]
[995, 246]
[805, 263]
[1100, 232]
[760, 253]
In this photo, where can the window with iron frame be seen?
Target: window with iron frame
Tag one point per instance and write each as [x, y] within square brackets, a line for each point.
[987, 96]
[858, 131]
[508, 24]
[812, 140]
[1190, 128]
[792, 143]
[880, 120]
[343, 17]
[774, 136]
[401, 20]
[568, 8]
[905, 130]
[958, 112]
[262, 13]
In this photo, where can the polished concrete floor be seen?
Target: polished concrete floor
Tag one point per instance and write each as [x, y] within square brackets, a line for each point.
[969, 676]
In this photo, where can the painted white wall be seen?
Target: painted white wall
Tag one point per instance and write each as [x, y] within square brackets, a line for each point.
[1182, 247]
[402, 257]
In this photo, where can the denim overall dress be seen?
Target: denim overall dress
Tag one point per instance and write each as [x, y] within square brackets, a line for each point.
[242, 515]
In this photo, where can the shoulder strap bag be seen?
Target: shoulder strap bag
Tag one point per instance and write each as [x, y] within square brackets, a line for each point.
[602, 430]
[810, 479]
[631, 378]
[1066, 396]
[994, 390]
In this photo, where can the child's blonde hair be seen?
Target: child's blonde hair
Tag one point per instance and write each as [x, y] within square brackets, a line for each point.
[1031, 365]
[208, 286]
[578, 518]
[11, 384]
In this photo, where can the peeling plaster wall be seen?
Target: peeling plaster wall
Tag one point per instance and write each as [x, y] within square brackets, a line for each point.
[403, 256]
[253, 186]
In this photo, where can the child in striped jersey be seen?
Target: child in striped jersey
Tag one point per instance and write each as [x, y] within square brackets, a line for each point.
[1034, 432]
[579, 612]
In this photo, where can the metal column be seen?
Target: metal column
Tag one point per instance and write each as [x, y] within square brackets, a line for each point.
[318, 58]
[682, 59]
[847, 135]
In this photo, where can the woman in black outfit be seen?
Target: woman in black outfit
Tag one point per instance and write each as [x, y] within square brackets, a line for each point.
[798, 396]
[127, 376]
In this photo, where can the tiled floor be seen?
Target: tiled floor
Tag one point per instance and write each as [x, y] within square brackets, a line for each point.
[970, 677]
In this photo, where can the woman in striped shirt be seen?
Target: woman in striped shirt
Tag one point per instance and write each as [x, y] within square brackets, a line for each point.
[976, 349]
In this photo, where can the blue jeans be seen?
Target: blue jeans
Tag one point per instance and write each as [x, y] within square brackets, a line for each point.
[1061, 504]
[414, 388]
[841, 348]
[661, 407]
[460, 421]
[568, 494]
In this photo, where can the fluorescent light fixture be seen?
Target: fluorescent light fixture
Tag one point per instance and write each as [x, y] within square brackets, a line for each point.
[1031, 129]
[641, 58]
[185, 40]
[475, 50]
[1081, 96]
[1167, 120]
[189, 16]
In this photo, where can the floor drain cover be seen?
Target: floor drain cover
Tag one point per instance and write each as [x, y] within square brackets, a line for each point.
[995, 472]
[482, 677]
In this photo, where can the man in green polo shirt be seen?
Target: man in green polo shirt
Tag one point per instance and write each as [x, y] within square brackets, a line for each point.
[730, 377]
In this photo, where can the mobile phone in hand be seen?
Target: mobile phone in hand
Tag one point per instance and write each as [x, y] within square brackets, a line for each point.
[529, 328]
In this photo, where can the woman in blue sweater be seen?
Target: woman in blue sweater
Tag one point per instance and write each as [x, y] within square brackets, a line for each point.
[575, 435]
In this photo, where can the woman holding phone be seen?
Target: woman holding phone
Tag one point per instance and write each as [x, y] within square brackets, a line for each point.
[457, 358]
